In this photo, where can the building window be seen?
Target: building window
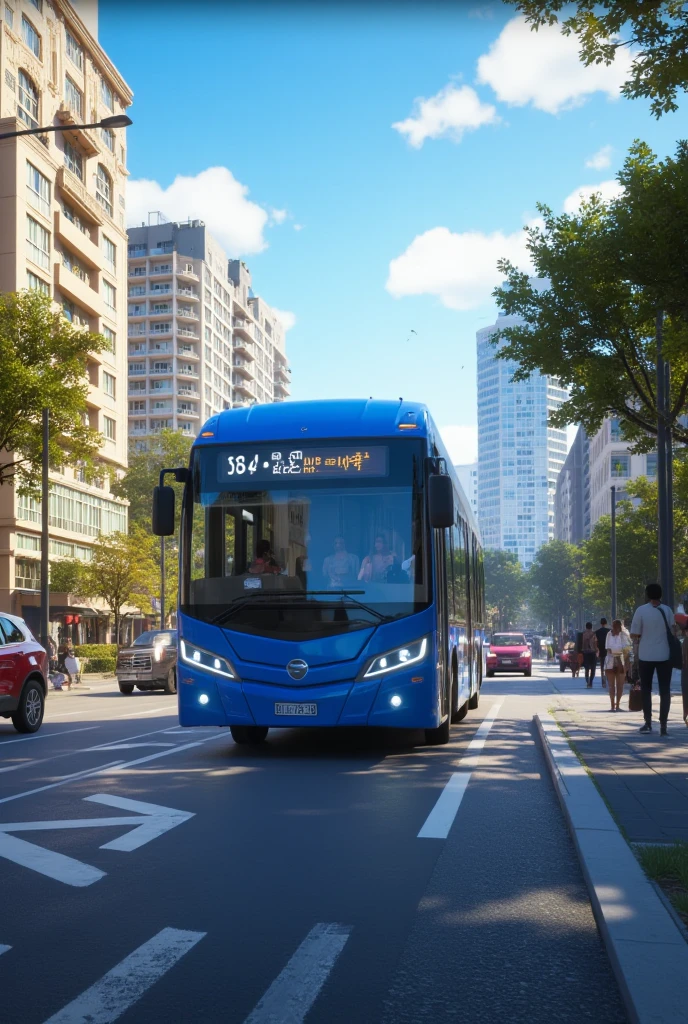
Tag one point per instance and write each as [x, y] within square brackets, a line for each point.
[31, 37]
[110, 295]
[36, 284]
[106, 95]
[104, 189]
[110, 338]
[651, 464]
[74, 161]
[75, 314]
[137, 407]
[74, 265]
[38, 243]
[74, 219]
[38, 4]
[74, 51]
[27, 101]
[110, 427]
[9, 17]
[621, 464]
[136, 249]
[615, 430]
[108, 137]
[108, 384]
[39, 189]
[27, 574]
[110, 252]
[73, 97]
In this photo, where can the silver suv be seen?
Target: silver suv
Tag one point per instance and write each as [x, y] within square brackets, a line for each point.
[150, 663]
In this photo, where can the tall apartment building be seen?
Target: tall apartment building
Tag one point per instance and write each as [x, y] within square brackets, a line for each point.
[468, 478]
[611, 462]
[62, 232]
[519, 455]
[572, 496]
[199, 340]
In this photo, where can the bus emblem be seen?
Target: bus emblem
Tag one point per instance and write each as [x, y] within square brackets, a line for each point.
[297, 669]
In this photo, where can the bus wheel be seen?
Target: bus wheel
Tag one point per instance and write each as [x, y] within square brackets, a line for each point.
[248, 733]
[474, 700]
[438, 736]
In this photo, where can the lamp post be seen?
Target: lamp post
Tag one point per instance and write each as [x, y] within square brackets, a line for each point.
[114, 121]
[613, 547]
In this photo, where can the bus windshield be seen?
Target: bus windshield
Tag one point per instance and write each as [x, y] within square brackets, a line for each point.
[305, 541]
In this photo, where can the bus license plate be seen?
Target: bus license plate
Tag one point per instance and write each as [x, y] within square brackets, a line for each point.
[296, 709]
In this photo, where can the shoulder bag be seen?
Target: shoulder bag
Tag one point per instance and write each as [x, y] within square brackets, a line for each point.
[635, 698]
[675, 651]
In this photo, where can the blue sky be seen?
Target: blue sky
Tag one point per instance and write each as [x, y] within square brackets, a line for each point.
[366, 232]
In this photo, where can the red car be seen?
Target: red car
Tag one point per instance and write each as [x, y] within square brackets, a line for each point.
[509, 652]
[23, 675]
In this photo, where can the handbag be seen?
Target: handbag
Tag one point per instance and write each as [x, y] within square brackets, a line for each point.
[635, 699]
[675, 651]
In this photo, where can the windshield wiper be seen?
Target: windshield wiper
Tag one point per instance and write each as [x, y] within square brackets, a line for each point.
[275, 595]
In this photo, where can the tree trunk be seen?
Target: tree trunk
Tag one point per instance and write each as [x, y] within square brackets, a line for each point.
[117, 627]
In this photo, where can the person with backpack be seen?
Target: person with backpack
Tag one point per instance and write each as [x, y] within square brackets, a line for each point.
[652, 627]
[589, 647]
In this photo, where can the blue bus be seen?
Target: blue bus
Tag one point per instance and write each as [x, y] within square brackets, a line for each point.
[330, 572]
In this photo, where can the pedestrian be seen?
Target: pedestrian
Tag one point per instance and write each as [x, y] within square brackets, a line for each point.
[618, 648]
[682, 623]
[589, 647]
[601, 635]
[64, 652]
[651, 624]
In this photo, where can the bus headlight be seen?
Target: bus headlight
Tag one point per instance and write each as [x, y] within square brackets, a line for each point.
[400, 657]
[199, 658]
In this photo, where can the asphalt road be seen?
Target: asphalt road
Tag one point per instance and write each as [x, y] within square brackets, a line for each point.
[327, 877]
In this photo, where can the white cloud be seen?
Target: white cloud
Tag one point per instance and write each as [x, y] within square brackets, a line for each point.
[278, 216]
[607, 189]
[451, 112]
[461, 443]
[286, 318]
[461, 269]
[543, 68]
[601, 159]
[213, 196]
[298, 227]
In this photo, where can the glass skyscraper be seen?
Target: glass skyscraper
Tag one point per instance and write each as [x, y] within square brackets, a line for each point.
[519, 455]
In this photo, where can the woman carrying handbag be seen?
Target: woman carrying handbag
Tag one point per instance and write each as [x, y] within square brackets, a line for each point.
[617, 661]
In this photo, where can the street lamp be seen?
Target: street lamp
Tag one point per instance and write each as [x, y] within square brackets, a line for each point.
[114, 121]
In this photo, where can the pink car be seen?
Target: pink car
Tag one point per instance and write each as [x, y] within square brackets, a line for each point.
[23, 674]
[509, 652]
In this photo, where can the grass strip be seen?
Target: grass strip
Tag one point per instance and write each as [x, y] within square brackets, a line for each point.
[668, 866]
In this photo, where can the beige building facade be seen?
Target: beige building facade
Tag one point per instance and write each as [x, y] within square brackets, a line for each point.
[63, 232]
[612, 462]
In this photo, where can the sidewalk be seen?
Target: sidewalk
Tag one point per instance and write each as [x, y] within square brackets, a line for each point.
[643, 778]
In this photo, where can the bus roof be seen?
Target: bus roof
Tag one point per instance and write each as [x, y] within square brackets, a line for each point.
[282, 421]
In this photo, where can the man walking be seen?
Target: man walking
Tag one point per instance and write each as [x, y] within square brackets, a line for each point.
[589, 648]
[650, 624]
[601, 635]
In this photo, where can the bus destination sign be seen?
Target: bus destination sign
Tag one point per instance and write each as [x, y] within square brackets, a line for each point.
[281, 460]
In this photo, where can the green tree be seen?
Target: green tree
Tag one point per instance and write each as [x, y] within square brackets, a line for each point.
[555, 583]
[122, 572]
[43, 360]
[657, 31]
[169, 449]
[504, 586]
[608, 272]
[67, 576]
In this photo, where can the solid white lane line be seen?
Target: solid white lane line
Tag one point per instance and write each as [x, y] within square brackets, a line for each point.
[48, 735]
[441, 817]
[124, 985]
[61, 782]
[115, 718]
[123, 744]
[129, 746]
[149, 711]
[297, 986]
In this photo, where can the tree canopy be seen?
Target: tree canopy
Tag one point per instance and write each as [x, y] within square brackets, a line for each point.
[43, 359]
[609, 268]
[554, 583]
[657, 32]
[168, 449]
[504, 586]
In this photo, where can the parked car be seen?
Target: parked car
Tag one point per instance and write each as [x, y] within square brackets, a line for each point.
[509, 652]
[23, 675]
[150, 663]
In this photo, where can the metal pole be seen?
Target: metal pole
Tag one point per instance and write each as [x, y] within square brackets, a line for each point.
[613, 552]
[162, 583]
[662, 506]
[45, 532]
[669, 585]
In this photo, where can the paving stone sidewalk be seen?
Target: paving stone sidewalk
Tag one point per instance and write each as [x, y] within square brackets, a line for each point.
[644, 778]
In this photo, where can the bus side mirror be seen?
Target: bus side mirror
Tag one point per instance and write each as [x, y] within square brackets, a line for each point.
[440, 501]
[163, 511]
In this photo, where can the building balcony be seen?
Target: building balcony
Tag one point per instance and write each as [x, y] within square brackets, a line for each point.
[78, 241]
[187, 371]
[188, 411]
[165, 371]
[243, 368]
[186, 313]
[241, 309]
[188, 351]
[282, 373]
[160, 270]
[188, 293]
[187, 332]
[186, 274]
[243, 348]
[186, 392]
[243, 387]
[161, 250]
[78, 196]
[243, 328]
[281, 389]
[84, 138]
[164, 348]
[138, 432]
[167, 333]
[79, 291]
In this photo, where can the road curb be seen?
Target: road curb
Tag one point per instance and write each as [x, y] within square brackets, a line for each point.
[647, 952]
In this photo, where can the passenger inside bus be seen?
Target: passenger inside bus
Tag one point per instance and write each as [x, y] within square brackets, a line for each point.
[380, 563]
[264, 562]
[340, 569]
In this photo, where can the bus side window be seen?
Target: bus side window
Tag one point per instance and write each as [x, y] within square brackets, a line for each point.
[449, 562]
[459, 573]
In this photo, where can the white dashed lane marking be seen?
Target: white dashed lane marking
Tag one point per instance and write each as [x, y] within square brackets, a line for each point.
[441, 817]
[124, 985]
